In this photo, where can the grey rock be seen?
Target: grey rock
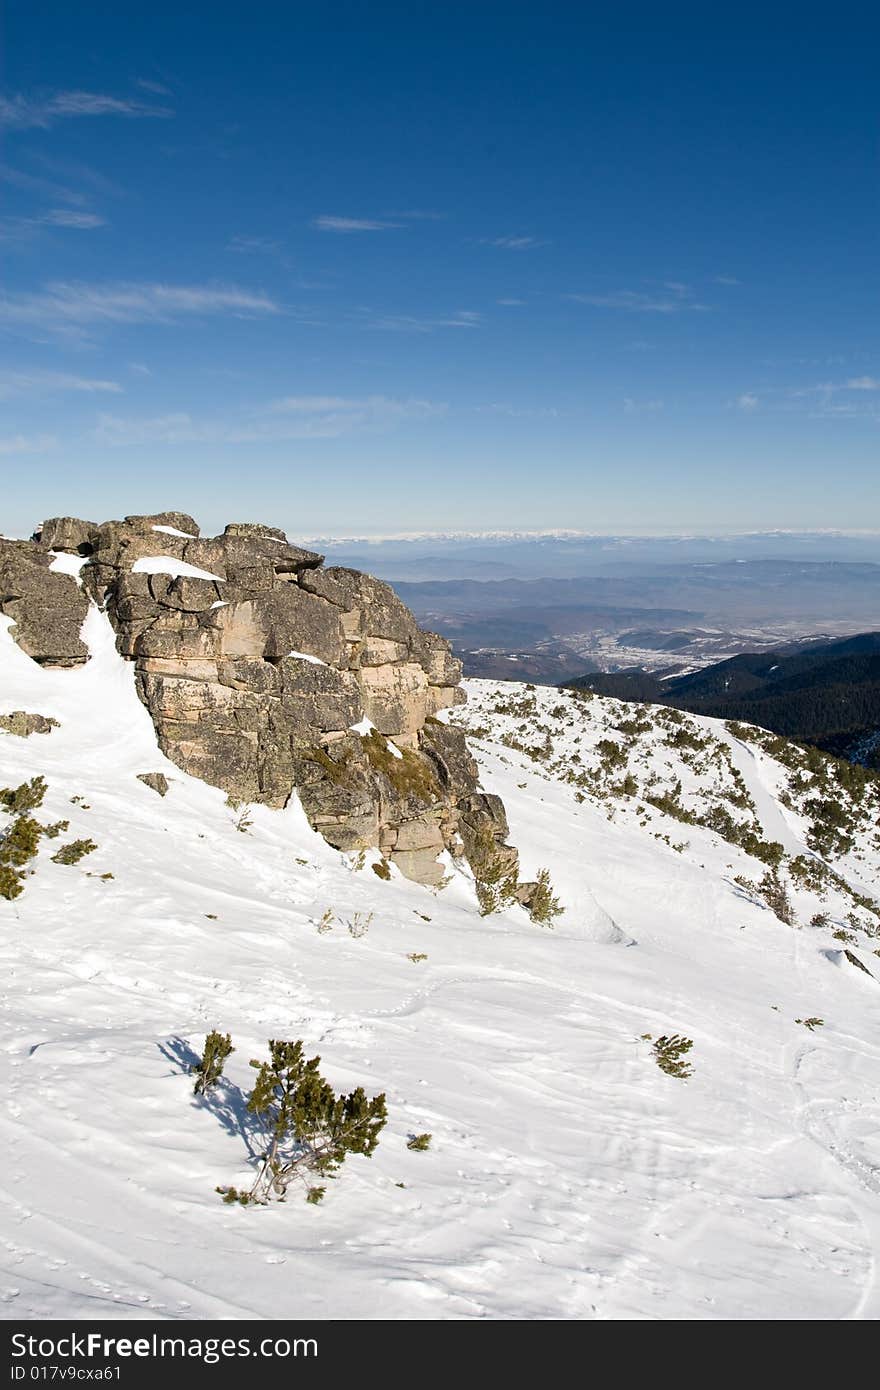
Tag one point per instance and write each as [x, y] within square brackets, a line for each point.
[22, 724]
[67, 533]
[180, 521]
[231, 703]
[48, 608]
[157, 781]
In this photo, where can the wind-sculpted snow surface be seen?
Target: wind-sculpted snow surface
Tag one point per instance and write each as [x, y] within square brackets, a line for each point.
[568, 1176]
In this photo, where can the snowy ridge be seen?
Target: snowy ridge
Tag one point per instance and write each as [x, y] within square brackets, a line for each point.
[568, 1176]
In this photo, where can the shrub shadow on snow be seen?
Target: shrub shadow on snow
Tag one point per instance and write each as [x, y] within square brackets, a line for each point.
[225, 1101]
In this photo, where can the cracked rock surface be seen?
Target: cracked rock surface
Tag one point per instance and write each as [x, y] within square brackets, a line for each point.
[255, 661]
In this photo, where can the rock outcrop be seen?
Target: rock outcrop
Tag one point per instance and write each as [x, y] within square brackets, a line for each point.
[23, 724]
[263, 672]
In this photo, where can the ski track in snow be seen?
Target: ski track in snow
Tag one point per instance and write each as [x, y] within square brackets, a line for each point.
[567, 1176]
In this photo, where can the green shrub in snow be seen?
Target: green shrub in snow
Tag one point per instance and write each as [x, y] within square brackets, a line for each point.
[73, 852]
[209, 1068]
[27, 797]
[669, 1054]
[308, 1128]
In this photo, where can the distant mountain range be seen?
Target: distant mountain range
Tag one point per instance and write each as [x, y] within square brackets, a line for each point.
[823, 693]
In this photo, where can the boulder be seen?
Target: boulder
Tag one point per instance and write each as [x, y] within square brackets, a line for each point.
[255, 680]
[22, 724]
[48, 607]
[66, 533]
[156, 781]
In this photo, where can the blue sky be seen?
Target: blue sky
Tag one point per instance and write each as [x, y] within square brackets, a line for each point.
[360, 269]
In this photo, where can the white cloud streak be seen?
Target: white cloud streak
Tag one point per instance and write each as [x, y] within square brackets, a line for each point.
[409, 323]
[48, 383]
[512, 243]
[287, 419]
[29, 113]
[636, 302]
[72, 307]
[352, 224]
[43, 188]
[67, 217]
[24, 229]
[254, 245]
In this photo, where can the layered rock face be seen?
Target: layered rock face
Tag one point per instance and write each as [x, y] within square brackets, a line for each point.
[263, 672]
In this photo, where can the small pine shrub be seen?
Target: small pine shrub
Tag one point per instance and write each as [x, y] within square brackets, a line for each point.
[11, 883]
[209, 1069]
[543, 907]
[25, 798]
[669, 1053]
[310, 1129]
[57, 828]
[382, 869]
[21, 841]
[811, 1023]
[494, 882]
[73, 852]
[418, 1143]
[18, 845]
[774, 894]
[611, 753]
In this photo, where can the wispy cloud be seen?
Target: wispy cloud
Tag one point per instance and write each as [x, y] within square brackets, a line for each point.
[254, 245]
[853, 399]
[726, 280]
[520, 412]
[287, 419]
[352, 224]
[28, 444]
[355, 407]
[40, 187]
[157, 88]
[638, 302]
[72, 307]
[68, 217]
[511, 303]
[37, 382]
[28, 113]
[420, 215]
[634, 407]
[850, 399]
[410, 323]
[26, 228]
[74, 170]
[513, 243]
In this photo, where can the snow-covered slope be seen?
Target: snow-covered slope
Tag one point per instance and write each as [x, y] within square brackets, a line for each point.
[568, 1175]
